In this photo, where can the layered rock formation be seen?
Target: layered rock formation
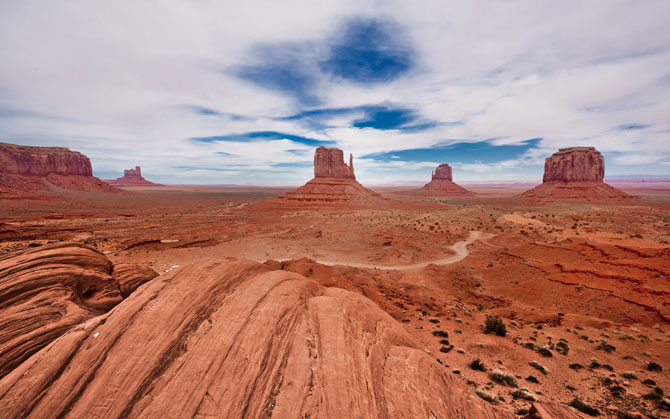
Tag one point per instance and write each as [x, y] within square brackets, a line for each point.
[46, 291]
[329, 163]
[575, 173]
[132, 177]
[334, 182]
[25, 169]
[238, 339]
[574, 164]
[441, 184]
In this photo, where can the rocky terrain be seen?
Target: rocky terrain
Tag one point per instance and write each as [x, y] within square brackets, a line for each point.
[29, 171]
[132, 178]
[575, 173]
[424, 306]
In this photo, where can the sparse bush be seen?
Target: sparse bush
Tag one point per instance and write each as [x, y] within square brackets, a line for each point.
[604, 346]
[617, 391]
[440, 334]
[584, 408]
[444, 342]
[434, 320]
[654, 367]
[446, 349]
[524, 394]
[478, 365]
[503, 377]
[576, 366]
[532, 379]
[544, 352]
[539, 367]
[629, 375]
[562, 347]
[489, 397]
[523, 411]
[649, 382]
[653, 395]
[494, 325]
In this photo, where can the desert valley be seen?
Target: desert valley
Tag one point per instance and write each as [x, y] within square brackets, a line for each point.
[130, 299]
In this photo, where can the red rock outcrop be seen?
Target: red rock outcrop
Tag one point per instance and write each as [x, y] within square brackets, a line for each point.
[575, 173]
[441, 184]
[551, 411]
[329, 163]
[129, 276]
[46, 291]
[574, 164]
[26, 169]
[334, 182]
[132, 177]
[43, 161]
[238, 339]
[443, 172]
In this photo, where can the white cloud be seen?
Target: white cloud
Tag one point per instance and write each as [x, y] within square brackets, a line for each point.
[113, 79]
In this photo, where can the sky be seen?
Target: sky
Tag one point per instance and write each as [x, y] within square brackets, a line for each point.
[224, 92]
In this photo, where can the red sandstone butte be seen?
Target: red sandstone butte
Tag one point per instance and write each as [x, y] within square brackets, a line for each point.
[575, 173]
[132, 177]
[334, 182]
[442, 184]
[26, 169]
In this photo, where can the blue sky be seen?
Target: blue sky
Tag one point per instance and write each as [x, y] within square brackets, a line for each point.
[242, 92]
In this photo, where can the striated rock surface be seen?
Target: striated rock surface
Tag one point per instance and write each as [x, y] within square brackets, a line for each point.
[132, 177]
[575, 173]
[26, 170]
[574, 164]
[329, 163]
[334, 182]
[237, 339]
[129, 276]
[47, 290]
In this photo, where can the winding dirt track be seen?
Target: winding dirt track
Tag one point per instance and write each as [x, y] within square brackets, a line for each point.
[461, 249]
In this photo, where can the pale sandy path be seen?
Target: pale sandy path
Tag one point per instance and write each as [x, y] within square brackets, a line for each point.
[461, 249]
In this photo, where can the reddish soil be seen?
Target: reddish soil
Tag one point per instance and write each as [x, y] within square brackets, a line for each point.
[593, 275]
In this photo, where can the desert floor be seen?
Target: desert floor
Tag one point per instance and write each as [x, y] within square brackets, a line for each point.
[593, 276]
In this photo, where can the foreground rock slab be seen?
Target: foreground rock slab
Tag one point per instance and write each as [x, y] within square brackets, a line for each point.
[46, 291]
[237, 339]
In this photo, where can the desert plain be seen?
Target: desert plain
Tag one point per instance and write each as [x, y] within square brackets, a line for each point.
[581, 287]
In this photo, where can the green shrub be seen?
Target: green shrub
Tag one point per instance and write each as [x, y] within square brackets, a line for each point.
[562, 347]
[489, 397]
[539, 367]
[478, 365]
[584, 408]
[654, 367]
[604, 346]
[524, 394]
[544, 352]
[494, 325]
[503, 377]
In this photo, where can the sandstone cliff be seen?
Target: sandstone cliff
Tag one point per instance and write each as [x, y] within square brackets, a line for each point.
[238, 339]
[329, 162]
[132, 177]
[575, 173]
[443, 172]
[574, 164]
[334, 183]
[43, 161]
[26, 171]
[46, 291]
